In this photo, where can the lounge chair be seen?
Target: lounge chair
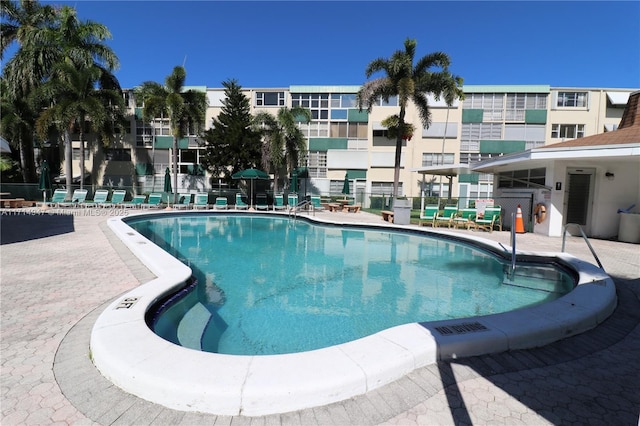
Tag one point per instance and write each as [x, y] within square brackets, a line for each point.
[78, 197]
[261, 202]
[136, 202]
[117, 198]
[57, 198]
[465, 218]
[221, 203]
[184, 202]
[315, 202]
[428, 216]
[447, 216]
[278, 202]
[153, 202]
[240, 204]
[201, 201]
[292, 202]
[99, 198]
[489, 220]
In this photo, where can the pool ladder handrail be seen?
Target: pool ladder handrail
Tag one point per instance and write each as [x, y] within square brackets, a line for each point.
[302, 203]
[584, 237]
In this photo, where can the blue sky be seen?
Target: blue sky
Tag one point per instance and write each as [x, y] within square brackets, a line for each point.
[278, 44]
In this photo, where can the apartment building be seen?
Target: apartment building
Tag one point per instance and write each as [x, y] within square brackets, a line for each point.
[491, 121]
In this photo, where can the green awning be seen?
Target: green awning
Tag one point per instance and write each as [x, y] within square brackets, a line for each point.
[166, 142]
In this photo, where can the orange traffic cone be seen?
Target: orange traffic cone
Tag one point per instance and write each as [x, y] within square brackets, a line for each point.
[519, 221]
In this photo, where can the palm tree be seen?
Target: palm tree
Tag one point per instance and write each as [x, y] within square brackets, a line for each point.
[186, 110]
[285, 143]
[408, 83]
[79, 95]
[17, 125]
[75, 99]
[46, 37]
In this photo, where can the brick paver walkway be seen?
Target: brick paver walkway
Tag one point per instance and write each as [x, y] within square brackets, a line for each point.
[52, 289]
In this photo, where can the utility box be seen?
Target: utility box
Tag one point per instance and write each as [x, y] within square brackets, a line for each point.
[629, 229]
[402, 211]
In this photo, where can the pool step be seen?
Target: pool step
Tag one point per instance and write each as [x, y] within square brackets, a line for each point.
[547, 280]
[192, 326]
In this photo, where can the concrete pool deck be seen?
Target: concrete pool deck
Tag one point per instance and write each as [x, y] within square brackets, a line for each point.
[48, 313]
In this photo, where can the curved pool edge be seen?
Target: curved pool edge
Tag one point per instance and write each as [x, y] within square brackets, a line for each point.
[130, 355]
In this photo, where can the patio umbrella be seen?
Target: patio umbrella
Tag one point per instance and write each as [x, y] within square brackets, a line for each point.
[294, 181]
[345, 186]
[167, 181]
[45, 181]
[250, 174]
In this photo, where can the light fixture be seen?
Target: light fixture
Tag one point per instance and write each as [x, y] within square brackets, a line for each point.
[609, 175]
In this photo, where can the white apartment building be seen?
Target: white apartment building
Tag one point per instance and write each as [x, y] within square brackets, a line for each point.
[491, 121]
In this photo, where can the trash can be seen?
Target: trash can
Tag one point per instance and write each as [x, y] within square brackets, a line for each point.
[402, 211]
[629, 229]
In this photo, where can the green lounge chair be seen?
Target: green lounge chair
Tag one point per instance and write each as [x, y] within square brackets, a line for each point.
[489, 220]
[57, 198]
[240, 204]
[78, 197]
[278, 202]
[153, 202]
[428, 216]
[447, 216]
[135, 203]
[99, 198]
[221, 203]
[117, 198]
[315, 202]
[201, 201]
[261, 202]
[184, 201]
[465, 218]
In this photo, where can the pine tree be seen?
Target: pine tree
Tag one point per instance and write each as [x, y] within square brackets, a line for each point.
[231, 144]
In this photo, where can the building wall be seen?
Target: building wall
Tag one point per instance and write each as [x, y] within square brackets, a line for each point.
[374, 155]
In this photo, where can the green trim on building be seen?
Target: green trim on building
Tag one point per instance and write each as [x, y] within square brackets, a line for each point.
[325, 144]
[506, 89]
[357, 116]
[166, 142]
[535, 116]
[144, 169]
[469, 178]
[501, 147]
[357, 174]
[324, 89]
[138, 113]
[472, 115]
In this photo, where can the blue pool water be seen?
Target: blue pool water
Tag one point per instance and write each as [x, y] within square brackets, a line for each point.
[271, 285]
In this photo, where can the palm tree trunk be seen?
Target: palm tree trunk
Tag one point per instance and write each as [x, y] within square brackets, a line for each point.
[175, 169]
[27, 163]
[68, 163]
[396, 166]
[81, 135]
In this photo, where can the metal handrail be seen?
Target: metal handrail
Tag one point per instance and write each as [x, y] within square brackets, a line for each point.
[297, 206]
[513, 245]
[584, 237]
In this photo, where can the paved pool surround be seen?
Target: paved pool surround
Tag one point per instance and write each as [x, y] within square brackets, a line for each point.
[135, 359]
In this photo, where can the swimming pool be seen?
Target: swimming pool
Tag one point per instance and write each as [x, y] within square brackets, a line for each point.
[131, 356]
[267, 285]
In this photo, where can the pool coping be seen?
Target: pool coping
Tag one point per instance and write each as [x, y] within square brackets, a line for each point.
[135, 359]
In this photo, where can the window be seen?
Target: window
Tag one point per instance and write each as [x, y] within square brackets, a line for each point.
[433, 159]
[473, 157]
[473, 133]
[567, 131]
[480, 191]
[270, 99]
[572, 99]
[492, 104]
[317, 164]
[385, 188]
[393, 101]
[317, 103]
[533, 178]
[343, 100]
[117, 154]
